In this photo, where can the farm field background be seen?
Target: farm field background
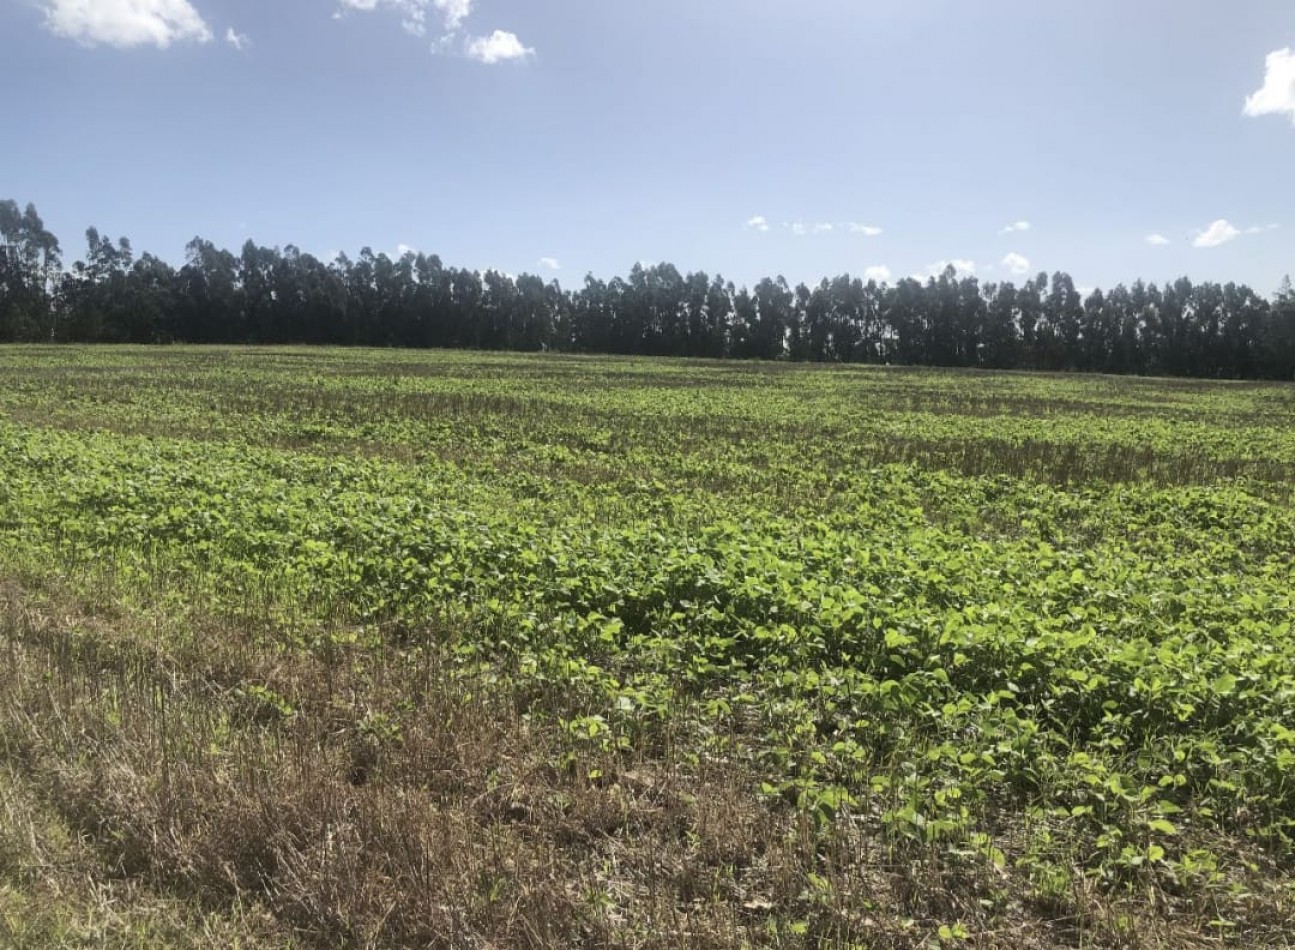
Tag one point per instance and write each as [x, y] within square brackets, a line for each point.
[377, 648]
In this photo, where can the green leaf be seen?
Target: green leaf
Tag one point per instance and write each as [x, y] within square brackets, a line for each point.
[1225, 684]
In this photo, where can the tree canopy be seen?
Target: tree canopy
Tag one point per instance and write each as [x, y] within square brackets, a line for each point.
[272, 295]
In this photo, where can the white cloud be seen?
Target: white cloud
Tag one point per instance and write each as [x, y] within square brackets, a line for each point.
[414, 14]
[800, 228]
[551, 263]
[1220, 232]
[1015, 226]
[403, 249]
[240, 41]
[880, 273]
[758, 223]
[1260, 230]
[1157, 239]
[126, 23]
[1018, 264]
[961, 265]
[498, 47]
[453, 12]
[1277, 95]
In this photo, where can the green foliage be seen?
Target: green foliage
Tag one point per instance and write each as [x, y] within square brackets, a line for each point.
[921, 601]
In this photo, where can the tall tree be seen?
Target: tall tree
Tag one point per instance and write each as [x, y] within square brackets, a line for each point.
[1279, 334]
[30, 268]
[210, 299]
[998, 342]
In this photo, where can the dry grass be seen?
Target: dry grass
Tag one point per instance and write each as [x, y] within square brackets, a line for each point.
[55, 891]
[189, 781]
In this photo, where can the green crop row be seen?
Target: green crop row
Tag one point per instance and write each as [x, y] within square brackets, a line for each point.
[846, 579]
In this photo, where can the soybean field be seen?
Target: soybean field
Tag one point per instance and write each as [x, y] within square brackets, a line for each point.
[371, 648]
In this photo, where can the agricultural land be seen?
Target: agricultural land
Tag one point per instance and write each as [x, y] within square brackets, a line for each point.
[373, 648]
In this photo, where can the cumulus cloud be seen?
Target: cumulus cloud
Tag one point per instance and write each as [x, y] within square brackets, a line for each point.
[798, 228]
[1219, 232]
[1157, 239]
[403, 249]
[240, 41]
[1014, 227]
[500, 46]
[550, 263]
[879, 272]
[1017, 264]
[867, 230]
[1277, 95]
[1257, 229]
[413, 13]
[454, 12]
[126, 23]
[758, 223]
[961, 265]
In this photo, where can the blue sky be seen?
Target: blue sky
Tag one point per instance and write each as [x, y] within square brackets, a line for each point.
[750, 137]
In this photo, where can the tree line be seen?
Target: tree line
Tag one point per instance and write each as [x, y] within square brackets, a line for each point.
[268, 295]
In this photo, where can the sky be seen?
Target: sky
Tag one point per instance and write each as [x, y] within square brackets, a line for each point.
[803, 138]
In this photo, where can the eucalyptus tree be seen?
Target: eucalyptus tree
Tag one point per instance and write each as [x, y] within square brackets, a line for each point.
[998, 340]
[30, 269]
[210, 299]
[1279, 334]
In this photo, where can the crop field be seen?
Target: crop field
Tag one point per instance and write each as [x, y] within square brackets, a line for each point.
[363, 648]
